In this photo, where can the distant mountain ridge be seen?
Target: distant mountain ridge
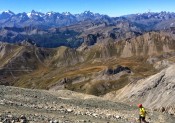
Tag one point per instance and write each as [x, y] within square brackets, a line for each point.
[53, 29]
[49, 19]
[56, 19]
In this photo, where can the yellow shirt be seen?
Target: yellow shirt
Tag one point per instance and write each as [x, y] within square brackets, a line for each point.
[142, 112]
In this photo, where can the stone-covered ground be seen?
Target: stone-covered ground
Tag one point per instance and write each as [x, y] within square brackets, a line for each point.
[39, 106]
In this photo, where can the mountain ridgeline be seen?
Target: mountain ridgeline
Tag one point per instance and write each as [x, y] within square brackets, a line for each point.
[53, 29]
[56, 19]
[45, 20]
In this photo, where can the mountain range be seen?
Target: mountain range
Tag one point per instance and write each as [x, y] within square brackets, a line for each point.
[53, 29]
[44, 20]
[56, 19]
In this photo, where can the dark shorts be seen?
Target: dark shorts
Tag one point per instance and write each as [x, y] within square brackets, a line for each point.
[141, 118]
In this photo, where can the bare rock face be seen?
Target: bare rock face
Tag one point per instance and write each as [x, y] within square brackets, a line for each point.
[152, 60]
[149, 44]
[162, 64]
[155, 92]
[91, 39]
[117, 70]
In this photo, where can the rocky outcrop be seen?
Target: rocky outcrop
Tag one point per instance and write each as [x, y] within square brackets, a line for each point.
[91, 39]
[117, 70]
[162, 64]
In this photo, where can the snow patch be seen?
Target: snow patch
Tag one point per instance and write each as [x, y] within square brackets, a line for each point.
[172, 24]
[49, 13]
[9, 12]
[29, 15]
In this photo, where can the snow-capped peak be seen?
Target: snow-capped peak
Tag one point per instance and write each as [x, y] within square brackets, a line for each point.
[33, 12]
[66, 13]
[50, 13]
[8, 12]
[88, 12]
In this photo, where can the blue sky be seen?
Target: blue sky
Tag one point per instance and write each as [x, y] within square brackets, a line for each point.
[109, 7]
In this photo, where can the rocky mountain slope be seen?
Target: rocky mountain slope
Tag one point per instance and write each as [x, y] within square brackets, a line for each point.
[39, 106]
[156, 91]
[87, 31]
[43, 38]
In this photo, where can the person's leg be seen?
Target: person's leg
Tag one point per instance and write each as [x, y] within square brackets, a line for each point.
[143, 119]
[140, 119]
